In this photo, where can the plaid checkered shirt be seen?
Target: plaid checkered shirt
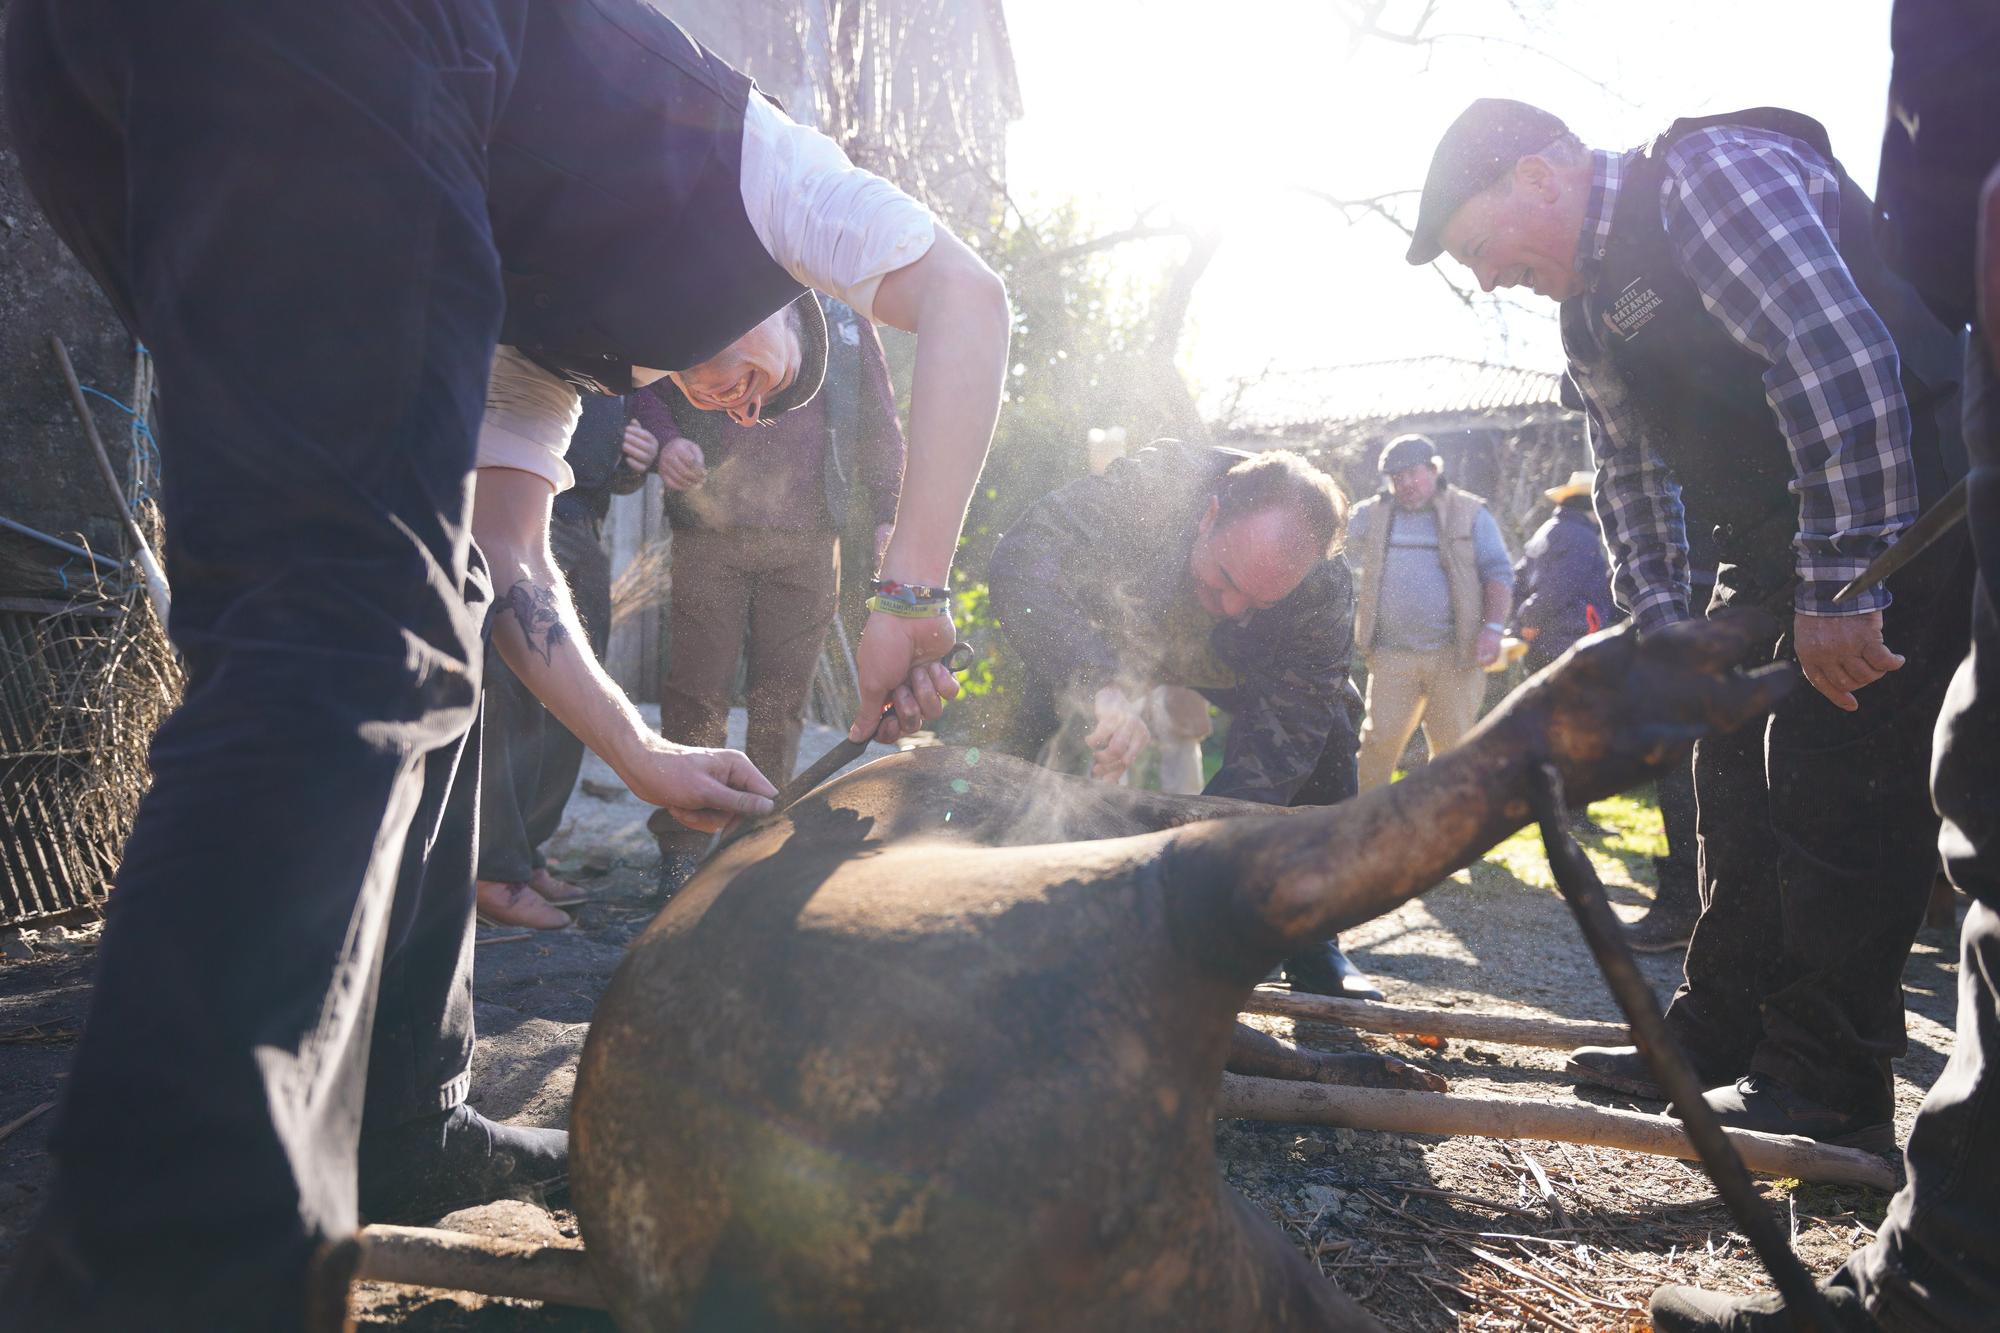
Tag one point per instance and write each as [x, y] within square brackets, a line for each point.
[1753, 218]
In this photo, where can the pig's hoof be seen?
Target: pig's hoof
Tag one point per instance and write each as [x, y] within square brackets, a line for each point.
[1371, 1070]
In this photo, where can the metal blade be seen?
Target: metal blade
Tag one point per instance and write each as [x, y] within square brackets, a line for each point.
[1941, 518]
[840, 756]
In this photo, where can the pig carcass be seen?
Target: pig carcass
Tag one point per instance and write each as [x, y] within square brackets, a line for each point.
[938, 1046]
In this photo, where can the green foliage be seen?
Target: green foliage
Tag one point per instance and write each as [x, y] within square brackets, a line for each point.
[1080, 358]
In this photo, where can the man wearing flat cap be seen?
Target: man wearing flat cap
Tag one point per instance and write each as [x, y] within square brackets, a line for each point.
[1434, 586]
[1749, 365]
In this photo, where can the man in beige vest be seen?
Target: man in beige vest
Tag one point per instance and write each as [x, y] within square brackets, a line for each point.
[1435, 588]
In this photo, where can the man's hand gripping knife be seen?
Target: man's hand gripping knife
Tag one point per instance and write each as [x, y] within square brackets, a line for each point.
[957, 308]
[535, 628]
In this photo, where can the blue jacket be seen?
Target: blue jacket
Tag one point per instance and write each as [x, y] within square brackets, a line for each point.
[1562, 586]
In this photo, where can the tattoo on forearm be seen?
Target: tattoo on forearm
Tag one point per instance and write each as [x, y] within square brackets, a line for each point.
[540, 616]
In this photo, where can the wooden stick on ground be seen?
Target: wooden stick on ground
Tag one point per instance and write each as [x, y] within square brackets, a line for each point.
[19, 1121]
[456, 1261]
[1368, 1016]
[1520, 1118]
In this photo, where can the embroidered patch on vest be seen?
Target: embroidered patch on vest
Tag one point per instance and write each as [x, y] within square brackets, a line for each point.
[1632, 309]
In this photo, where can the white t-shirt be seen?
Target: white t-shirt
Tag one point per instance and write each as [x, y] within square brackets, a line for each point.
[834, 227]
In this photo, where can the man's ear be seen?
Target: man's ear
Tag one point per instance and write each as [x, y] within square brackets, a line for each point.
[1537, 175]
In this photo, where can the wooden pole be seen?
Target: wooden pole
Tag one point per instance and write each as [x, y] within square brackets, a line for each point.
[456, 1261]
[1368, 1016]
[1283, 1101]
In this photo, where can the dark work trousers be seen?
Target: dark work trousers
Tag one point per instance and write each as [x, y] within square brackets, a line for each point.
[1678, 872]
[530, 760]
[1818, 846]
[1935, 1263]
[761, 596]
[285, 203]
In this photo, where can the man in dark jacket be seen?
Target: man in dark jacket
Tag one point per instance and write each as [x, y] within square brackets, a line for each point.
[1190, 565]
[322, 220]
[1935, 1261]
[1562, 585]
[1749, 363]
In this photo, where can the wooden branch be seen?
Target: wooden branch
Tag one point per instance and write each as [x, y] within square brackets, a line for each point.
[1286, 1102]
[1367, 1016]
[456, 1261]
[19, 1121]
[1111, 240]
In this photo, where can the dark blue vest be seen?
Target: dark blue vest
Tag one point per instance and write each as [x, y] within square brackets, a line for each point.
[1642, 334]
[616, 197]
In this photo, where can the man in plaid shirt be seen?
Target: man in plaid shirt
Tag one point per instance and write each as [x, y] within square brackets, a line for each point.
[1749, 364]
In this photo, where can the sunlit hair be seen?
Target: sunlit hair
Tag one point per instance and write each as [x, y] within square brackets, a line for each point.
[1278, 478]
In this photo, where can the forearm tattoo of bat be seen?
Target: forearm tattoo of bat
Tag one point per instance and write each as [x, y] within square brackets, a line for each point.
[540, 618]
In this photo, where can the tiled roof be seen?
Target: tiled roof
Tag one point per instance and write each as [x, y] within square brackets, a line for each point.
[1385, 390]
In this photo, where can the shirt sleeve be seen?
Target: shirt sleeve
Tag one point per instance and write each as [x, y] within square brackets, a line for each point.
[1358, 520]
[831, 225]
[1638, 504]
[530, 415]
[1752, 225]
[1489, 550]
[652, 411]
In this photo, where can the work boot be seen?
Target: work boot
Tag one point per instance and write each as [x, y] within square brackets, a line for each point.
[1759, 1102]
[1692, 1310]
[426, 1168]
[1668, 924]
[1325, 970]
[1619, 1068]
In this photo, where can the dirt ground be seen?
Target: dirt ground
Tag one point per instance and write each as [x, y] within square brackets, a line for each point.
[1428, 1233]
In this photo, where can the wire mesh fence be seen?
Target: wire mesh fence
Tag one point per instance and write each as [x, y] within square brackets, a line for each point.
[85, 678]
[82, 687]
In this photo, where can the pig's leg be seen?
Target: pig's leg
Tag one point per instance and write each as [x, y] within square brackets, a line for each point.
[1261, 1055]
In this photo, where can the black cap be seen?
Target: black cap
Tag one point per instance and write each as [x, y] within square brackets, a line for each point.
[812, 361]
[1481, 146]
[1408, 451]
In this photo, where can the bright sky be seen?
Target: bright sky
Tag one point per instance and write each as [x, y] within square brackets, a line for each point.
[1223, 112]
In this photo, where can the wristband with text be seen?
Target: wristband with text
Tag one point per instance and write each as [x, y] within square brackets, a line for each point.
[908, 608]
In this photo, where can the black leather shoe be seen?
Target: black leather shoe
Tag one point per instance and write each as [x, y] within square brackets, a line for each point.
[1763, 1104]
[1692, 1310]
[430, 1167]
[1619, 1068]
[1325, 970]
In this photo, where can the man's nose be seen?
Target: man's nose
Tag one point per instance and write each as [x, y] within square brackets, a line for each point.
[1234, 603]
